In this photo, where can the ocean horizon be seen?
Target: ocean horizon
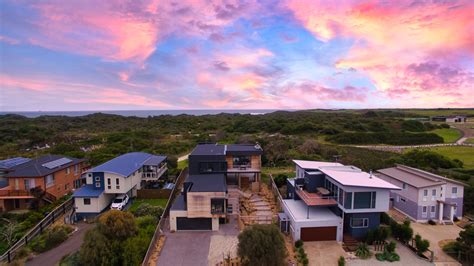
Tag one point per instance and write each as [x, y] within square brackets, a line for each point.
[143, 113]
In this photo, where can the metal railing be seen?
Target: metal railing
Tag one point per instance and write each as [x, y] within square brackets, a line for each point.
[164, 216]
[47, 221]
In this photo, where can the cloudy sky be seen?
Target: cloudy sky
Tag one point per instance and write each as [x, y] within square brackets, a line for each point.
[199, 54]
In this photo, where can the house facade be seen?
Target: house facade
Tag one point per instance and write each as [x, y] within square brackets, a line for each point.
[203, 203]
[326, 201]
[450, 119]
[424, 196]
[124, 174]
[55, 175]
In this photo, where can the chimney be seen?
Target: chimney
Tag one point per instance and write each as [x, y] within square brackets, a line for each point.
[370, 172]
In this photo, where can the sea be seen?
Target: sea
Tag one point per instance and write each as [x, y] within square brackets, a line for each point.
[146, 113]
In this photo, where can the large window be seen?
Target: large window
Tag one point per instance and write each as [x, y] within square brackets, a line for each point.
[359, 222]
[348, 200]
[217, 206]
[49, 180]
[364, 200]
[241, 161]
[209, 167]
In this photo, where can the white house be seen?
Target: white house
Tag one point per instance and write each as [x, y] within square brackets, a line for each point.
[122, 175]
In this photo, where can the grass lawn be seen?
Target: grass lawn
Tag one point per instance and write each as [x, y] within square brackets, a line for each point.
[469, 141]
[266, 171]
[183, 164]
[463, 153]
[449, 135]
[153, 202]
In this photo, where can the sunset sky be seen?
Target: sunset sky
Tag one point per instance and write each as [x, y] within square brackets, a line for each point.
[125, 55]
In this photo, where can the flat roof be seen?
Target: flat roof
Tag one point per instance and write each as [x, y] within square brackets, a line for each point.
[346, 175]
[179, 204]
[87, 191]
[358, 179]
[314, 164]
[416, 177]
[207, 183]
[126, 164]
[299, 212]
[224, 149]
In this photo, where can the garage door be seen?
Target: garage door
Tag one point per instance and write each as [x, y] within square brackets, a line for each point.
[183, 223]
[318, 233]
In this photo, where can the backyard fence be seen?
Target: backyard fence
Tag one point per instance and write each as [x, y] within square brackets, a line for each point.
[161, 223]
[47, 221]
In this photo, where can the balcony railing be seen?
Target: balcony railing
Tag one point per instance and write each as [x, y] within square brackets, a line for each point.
[315, 199]
[155, 175]
[15, 193]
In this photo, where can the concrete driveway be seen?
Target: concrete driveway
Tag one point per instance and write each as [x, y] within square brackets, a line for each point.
[322, 253]
[436, 233]
[188, 248]
[185, 248]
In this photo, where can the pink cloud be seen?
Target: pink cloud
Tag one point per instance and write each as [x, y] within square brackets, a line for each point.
[406, 49]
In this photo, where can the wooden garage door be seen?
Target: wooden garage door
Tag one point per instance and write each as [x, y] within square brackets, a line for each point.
[183, 223]
[318, 233]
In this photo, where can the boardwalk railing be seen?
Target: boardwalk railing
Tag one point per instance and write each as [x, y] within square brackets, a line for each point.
[162, 221]
[47, 221]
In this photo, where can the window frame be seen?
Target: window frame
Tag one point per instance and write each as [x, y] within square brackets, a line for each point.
[365, 222]
[86, 201]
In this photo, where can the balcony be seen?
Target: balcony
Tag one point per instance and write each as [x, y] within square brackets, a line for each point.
[243, 169]
[154, 175]
[315, 199]
[15, 194]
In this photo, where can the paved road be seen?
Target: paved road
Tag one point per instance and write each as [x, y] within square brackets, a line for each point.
[71, 245]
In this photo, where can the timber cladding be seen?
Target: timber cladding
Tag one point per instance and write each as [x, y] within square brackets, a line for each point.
[199, 203]
[255, 161]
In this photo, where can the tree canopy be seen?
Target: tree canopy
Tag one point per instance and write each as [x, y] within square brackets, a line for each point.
[262, 245]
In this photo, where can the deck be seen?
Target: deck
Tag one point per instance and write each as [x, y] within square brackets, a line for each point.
[315, 199]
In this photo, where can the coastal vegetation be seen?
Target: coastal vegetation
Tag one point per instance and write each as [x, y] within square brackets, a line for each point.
[311, 135]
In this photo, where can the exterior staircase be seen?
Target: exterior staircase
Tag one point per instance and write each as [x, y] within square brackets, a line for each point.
[349, 243]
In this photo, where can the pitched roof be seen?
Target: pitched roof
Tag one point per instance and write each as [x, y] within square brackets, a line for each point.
[416, 177]
[207, 183]
[126, 164]
[39, 166]
[87, 191]
[9, 163]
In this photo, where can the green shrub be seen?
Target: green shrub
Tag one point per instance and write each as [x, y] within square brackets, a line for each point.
[341, 261]
[305, 261]
[50, 238]
[363, 251]
[422, 245]
[146, 209]
[392, 257]
[385, 218]
[298, 243]
[390, 247]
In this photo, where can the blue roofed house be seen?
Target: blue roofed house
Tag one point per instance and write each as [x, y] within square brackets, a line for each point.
[124, 174]
[329, 201]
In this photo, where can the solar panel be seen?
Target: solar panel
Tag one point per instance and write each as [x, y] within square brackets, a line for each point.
[8, 163]
[56, 163]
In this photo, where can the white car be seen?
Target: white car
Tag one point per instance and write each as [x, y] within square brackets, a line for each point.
[119, 202]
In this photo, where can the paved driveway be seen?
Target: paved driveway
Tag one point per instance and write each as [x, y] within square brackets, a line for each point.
[192, 248]
[185, 248]
[436, 233]
[72, 244]
[322, 253]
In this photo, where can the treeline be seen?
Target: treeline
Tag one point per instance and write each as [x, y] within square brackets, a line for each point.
[391, 138]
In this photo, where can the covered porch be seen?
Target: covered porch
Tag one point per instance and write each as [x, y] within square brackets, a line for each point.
[243, 178]
[446, 211]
